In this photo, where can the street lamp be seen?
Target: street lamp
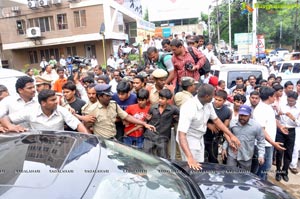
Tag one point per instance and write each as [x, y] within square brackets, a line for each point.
[209, 31]
[102, 32]
[229, 19]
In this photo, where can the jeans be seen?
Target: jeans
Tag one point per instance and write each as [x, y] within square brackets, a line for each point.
[134, 141]
[263, 169]
[70, 69]
[239, 163]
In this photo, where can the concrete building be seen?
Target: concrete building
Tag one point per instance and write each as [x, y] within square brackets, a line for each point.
[176, 16]
[65, 27]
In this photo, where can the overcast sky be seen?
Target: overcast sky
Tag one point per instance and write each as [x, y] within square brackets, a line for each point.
[190, 6]
[163, 10]
[202, 4]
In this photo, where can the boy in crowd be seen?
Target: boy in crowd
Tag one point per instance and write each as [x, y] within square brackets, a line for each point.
[123, 98]
[162, 116]
[212, 132]
[133, 134]
[71, 101]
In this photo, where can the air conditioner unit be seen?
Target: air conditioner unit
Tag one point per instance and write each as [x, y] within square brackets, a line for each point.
[32, 4]
[15, 9]
[55, 2]
[33, 32]
[44, 3]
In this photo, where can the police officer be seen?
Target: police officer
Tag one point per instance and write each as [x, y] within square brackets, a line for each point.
[108, 110]
[189, 86]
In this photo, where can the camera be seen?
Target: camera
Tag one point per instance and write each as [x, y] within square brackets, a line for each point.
[188, 66]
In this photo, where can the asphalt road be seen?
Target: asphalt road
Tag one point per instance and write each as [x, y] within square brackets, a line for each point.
[292, 186]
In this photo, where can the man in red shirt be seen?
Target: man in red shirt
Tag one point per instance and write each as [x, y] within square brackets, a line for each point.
[133, 134]
[184, 64]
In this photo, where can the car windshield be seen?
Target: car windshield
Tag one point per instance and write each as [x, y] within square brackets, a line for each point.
[296, 68]
[134, 174]
[32, 160]
[232, 75]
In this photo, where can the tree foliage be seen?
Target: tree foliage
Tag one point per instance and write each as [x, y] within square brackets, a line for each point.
[146, 15]
[268, 21]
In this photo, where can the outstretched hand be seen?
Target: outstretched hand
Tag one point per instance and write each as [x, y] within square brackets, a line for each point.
[16, 128]
[150, 127]
[193, 164]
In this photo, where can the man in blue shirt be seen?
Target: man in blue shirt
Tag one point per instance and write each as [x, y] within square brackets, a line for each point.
[247, 131]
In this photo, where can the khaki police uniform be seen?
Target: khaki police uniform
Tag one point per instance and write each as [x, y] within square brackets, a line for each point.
[106, 117]
[153, 92]
[182, 97]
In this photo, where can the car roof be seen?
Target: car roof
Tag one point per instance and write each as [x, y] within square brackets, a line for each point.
[229, 67]
[6, 73]
[8, 78]
[289, 61]
[294, 77]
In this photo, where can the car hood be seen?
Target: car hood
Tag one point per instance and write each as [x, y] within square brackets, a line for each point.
[221, 181]
[46, 163]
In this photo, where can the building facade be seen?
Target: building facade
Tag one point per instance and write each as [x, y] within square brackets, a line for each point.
[64, 27]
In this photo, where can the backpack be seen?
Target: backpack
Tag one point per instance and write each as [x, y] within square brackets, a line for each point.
[161, 60]
[205, 68]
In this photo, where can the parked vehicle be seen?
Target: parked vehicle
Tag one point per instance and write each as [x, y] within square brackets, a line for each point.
[292, 77]
[8, 78]
[229, 72]
[292, 56]
[48, 164]
[283, 66]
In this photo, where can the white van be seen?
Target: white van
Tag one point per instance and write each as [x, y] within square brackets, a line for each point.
[283, 66]
[229, 72]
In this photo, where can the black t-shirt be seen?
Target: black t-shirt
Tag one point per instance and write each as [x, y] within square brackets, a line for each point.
[223, 113]
[76, 105]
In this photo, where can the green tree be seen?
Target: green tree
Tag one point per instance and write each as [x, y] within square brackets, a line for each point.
[146, 15]
[268, 21]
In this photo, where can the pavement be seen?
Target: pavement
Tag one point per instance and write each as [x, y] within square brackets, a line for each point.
[292, 186]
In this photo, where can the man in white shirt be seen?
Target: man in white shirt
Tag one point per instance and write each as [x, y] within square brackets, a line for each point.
[62, 61]
[50, 74]
[111, 61]
[209, 53]
[192, 125]
[290, 118]
[265, 116]
[26, 91]
[45, 116]
[114, 82]
[145, 47]
[158, 44]
[94, 62]
[43, 64]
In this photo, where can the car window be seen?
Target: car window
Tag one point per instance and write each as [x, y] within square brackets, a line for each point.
[278, 66]
[284, 67]
[296, 56]
[232, 75]
[296, 68]
[215, 73]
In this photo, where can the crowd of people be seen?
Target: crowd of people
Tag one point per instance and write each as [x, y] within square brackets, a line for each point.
[253, 123]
